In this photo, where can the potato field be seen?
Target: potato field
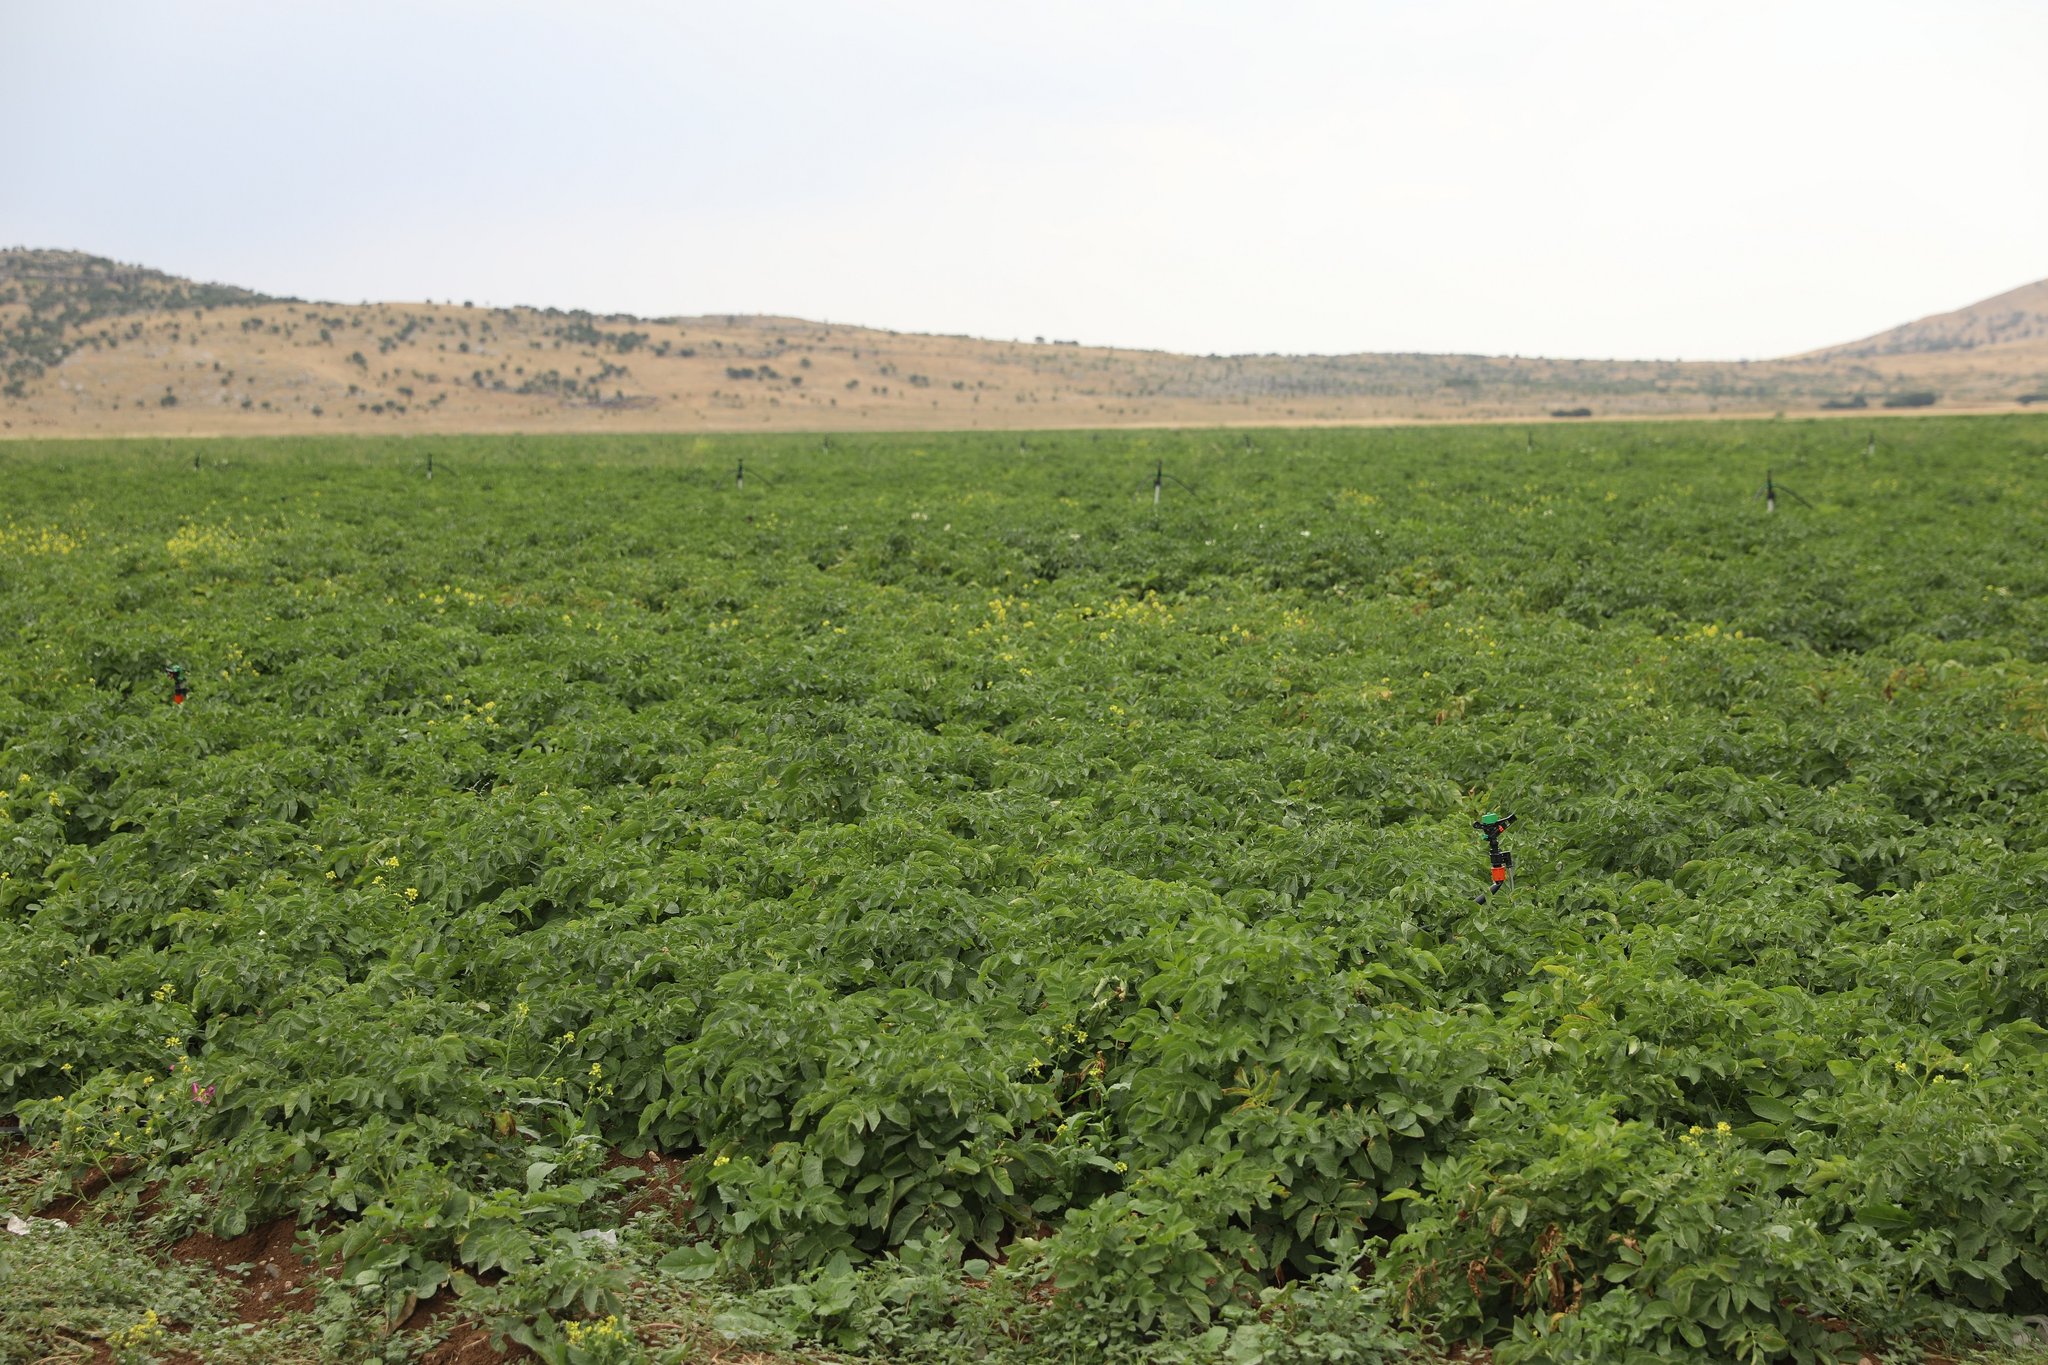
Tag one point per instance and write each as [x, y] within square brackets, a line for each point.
[928, 901]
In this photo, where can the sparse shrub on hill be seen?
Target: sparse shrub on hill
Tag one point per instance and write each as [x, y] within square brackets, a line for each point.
[66, 291]
[580, 331]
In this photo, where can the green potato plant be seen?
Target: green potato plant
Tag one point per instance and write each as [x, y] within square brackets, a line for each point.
[1042, 921]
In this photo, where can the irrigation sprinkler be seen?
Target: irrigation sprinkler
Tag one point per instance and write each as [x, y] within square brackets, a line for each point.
[1771, 489]
[1502, 861]
[1870, 449]
[739, 477]
[178, 688]
[430, 466]
[1159, 478]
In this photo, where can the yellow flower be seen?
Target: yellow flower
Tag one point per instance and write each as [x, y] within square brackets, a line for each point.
[391, 862]
[602, 1330]
[1722, 1127]
[412, 893]
[597, 1070]
[720, 1160]
[141, 1334]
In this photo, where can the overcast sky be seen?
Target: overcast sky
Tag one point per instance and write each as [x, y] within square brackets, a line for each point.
[1626, 178]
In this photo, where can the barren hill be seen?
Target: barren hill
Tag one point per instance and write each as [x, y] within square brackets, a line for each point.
[2016, 319]
[91, 347]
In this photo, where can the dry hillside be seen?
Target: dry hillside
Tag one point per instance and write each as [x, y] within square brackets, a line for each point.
[88, 346]
[2013, 322]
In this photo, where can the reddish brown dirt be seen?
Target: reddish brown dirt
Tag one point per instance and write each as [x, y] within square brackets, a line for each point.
[100, 1177]
[661, 1184]
[464, 1344]
[71, 1207]
[472, 1346]
[274, 1278]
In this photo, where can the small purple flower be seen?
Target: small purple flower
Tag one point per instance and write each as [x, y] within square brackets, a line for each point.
[202, 1093]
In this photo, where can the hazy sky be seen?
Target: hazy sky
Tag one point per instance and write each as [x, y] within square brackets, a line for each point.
[1578, 177]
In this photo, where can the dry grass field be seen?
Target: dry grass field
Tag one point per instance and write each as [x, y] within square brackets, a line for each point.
[89, 347]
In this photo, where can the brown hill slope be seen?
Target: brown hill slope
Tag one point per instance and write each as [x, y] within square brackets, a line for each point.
[2017, 318]
[89, 347]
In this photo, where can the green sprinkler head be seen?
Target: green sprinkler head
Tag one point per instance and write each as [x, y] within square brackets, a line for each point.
[1501, 862]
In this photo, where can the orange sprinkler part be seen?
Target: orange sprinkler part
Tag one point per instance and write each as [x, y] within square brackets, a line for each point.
[1502, 862]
